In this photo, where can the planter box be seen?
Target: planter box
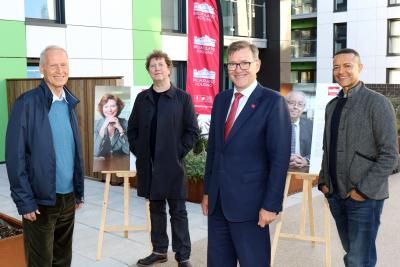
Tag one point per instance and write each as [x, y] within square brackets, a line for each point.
[12, 251]
[195, 191]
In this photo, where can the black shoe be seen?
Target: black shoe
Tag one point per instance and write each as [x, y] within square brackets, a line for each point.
[152, 259]
[184, 264]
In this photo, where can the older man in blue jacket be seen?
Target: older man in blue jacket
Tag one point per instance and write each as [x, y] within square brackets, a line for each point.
[44, 163]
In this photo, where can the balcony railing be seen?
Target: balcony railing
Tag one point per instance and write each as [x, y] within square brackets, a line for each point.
[304, 48]
[304, 8]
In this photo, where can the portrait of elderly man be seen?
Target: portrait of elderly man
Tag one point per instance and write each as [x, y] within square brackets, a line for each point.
[301, 130]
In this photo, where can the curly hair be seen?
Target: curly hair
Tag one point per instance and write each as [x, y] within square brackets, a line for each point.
[104, 100]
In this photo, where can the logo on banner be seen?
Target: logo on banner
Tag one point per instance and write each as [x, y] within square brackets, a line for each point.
[333, 90]
[203, 11]
[204, 45]
[203, 78]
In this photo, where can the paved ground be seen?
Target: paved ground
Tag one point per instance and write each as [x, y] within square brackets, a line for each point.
[121, 252]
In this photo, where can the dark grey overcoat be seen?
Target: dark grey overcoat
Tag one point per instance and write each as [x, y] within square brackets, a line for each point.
[177, 131]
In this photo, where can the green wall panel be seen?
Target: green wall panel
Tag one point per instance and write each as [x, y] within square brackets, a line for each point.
[302, 24]
[9, 68]
[12, 36]
[147, 15]
[303, 66]
[146, 36]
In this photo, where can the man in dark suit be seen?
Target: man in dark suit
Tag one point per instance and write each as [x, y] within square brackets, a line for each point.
[301, 130]
[247, 160]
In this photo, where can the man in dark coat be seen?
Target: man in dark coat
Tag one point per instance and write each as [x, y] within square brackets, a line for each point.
[161, 131]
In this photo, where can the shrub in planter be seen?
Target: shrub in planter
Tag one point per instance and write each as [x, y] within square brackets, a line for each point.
[195, 165]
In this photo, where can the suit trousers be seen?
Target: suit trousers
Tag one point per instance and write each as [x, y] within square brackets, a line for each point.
[179, 227]
[48, 240]
[230, 242]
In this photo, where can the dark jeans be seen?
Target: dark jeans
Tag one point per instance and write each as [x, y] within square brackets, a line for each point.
[179, 227]
[357, 223]
[48, 240]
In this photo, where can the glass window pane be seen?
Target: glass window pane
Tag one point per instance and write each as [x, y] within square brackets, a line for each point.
[40, 9]
[394, 45]
[33, 72]
[394, 76]
[170, 15]
[340, 5]
[394, 27]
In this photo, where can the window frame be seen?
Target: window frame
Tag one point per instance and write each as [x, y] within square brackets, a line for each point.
[388, 53]
[58, 22]
[339, 10]
[181, 71]
[181, 18]
[395, 4]
[334, 35]
[387, 74]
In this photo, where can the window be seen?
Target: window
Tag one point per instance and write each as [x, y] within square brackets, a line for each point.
[394, 3]
[178, 74]
[173, 15]
[393, 76]
[339, 5]
[47, 11]
[393, 37]
[244, 18]
[302, 76]
[339, 36]
[32, 69]
[304, 43]
[300, 7]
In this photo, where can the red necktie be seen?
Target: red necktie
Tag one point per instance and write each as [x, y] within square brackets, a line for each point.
[232, 115]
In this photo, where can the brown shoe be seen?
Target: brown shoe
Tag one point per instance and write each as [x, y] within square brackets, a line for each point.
[152, 259]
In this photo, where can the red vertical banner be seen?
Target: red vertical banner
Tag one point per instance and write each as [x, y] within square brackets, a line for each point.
[204, 55]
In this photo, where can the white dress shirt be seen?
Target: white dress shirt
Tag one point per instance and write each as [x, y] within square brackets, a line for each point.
[243, 100]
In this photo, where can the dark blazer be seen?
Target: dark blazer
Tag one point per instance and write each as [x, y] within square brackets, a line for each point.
[249, 170]
[306, 128]
[30, 156]
[177, 131]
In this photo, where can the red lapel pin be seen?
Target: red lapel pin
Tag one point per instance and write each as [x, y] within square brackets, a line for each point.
[253, 105]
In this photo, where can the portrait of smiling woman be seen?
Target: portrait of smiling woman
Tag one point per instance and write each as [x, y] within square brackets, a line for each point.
[110, 130]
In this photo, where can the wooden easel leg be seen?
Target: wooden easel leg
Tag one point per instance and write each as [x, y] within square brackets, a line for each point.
[311, 211]
[278, 226]
[328, 258]
[126, 204]
[302, 228]
[103, 217]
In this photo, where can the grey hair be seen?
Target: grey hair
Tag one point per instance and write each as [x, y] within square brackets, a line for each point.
[297, 92]
[42, 60]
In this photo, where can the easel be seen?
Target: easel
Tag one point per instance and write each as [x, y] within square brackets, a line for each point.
[125, 228]
[306, 201]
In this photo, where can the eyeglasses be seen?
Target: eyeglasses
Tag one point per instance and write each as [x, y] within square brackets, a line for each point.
[243, 65]
[293, 104]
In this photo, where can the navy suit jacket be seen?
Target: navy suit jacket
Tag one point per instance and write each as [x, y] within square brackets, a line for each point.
[249, 170]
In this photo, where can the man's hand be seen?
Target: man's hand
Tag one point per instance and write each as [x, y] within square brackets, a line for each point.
[31, 216]
[204, 205]
[356, 196]
[265, 217]
[78, 206]
[325, 189]
[297, 161]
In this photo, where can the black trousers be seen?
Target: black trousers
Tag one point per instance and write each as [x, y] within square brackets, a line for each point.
[179, 227]
[48, 240]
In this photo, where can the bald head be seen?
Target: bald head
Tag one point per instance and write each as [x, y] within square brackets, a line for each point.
[296, 101]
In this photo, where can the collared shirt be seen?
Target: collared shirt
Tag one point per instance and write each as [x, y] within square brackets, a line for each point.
[351, 91]
[243, 100]
[61, 98]
[297, 127]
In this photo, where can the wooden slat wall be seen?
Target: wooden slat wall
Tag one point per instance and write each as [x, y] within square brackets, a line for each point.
[84, 90]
